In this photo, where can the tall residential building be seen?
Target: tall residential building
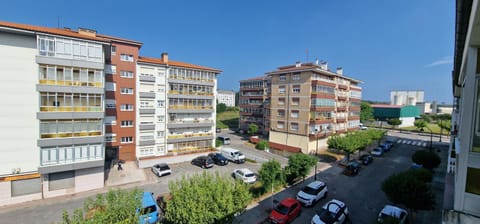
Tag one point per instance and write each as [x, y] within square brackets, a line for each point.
[406, 97]
[309, 102]
[226, 97]
[52, 84]
[120, 97]
[462, 188]
[254, 97]
[177, 109]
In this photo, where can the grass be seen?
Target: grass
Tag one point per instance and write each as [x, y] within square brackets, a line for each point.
[430, 126]
[228, 119]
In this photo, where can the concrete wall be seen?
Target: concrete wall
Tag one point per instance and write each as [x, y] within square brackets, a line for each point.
[85, 180]
[20, 127]
[6, 195]
[144, 163]
[407, 122]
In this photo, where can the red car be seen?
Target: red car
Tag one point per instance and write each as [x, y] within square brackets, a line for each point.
[286, 211]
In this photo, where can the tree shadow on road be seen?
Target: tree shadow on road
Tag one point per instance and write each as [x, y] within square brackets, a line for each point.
[326, 158]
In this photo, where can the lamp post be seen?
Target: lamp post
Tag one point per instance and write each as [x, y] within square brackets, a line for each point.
[316, 157]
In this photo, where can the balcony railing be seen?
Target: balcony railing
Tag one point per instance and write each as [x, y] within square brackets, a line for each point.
[70, 83]
[175, 136]
[190, 78]
[190, 93]
[70, 109]
[189, 107]
[71, 134]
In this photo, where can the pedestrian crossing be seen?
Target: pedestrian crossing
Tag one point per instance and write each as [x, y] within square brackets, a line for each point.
[415, 142]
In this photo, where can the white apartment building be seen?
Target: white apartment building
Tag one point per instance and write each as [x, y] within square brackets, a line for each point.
[405, 97]
[52, 134]
[176, 110]
[226, 97]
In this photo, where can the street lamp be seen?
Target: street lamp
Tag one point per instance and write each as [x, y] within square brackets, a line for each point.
[316, 157]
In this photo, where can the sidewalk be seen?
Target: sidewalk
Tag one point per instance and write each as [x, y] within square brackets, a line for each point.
[129, 174]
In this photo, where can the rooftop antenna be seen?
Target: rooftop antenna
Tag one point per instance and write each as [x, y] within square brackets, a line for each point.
[307, 56]
[58, 22]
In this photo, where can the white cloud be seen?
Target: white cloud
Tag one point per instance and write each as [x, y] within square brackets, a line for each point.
[441, 61]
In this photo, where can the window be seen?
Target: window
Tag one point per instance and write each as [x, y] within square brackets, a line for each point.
[110, 86]
[281, 101]
[128, 91]
[296, 77]
[161, 118]
[110, 104]
[283, 78]
[126, 74]
[294, 114]
[127, 124]
[476, 124]
[127, 139]
[281, 113]
[281, 89]
[294, 126]
[126, 107]
[296, 89]
[114, 50]
[472, 184]
[110, 120]
[280, 124]
[160, 134]
[126, 57]
[161, 103]
[295, 101]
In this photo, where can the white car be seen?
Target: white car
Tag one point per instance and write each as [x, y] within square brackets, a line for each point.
[377, 152]
[246, 175]
[312, 193]
[392, 213]
[333, 212]
[161, 169]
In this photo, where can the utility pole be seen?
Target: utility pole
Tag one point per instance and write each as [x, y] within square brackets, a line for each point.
[316, 157]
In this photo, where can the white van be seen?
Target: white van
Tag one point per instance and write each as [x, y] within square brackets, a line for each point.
[225, 140]
[233, 155]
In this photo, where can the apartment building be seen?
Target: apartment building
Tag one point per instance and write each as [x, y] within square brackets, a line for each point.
[308, 103]
[176, 110]
[226, 97]
[254, 98]
[120, 98]
[52, 138]
[462, 185]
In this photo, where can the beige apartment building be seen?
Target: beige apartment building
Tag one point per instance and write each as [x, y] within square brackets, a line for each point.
[308, 103]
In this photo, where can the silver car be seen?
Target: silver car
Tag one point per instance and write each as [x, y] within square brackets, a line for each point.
[161, 169]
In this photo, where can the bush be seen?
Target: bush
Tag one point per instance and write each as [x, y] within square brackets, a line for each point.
[421, 174]
[218, 143]
[262, 145]
[427, 159]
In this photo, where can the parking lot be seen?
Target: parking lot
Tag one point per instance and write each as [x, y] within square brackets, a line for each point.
[362, 193]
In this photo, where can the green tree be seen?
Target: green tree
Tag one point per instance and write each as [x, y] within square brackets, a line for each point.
[394, 122]
[271, 173]
[221, 107]
[206, 198]
[218, 143]
[262, 145]
[420, 124]
[427, 159]
[252, 129]
[299, 165]
[117, 206]
[406, 189]
[426, 118]
[366, 112]
[445, 125]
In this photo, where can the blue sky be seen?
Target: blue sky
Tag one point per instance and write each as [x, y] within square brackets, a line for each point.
[390, 45]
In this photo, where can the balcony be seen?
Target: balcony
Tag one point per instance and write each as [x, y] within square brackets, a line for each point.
[354, 108]
[147, 94]
[147, 111]
[146, 78]
[174, 138]
[70, 134]
[147, 126]
[69, 83]
[190, 108]
[322, 109]
[323, 82]
[188, 80]
[321, 120]
[190, 123]
[323, 95]
[71, 109]
[342, 86]
[341, 119]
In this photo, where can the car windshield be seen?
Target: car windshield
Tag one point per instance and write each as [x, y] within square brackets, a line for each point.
[249, 175]
[238, 153]
[309, 190]
[282, 209]
[327, 216]
[149, 209]
[164, 167]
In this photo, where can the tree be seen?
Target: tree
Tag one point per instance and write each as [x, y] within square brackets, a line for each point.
[426, 118]
[445, 124]
[394, 122]
[221, 107]
[252, 129]
[366, 112]
[117, 206]
[427, 159]
[206, 198]
[406, 189]
[271, 173]
[299, 165]
[262, 145]
[218, 143]
[420, 124]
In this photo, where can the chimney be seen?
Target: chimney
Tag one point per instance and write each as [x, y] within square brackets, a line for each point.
[339, 71]
[165, 57]
[298, 64]
[87, 32]
[324, 65]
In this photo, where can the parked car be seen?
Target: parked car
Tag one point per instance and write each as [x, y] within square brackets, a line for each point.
[286, 211]
[244, 174]
[385, 147]
[389, 142]
[377, 152]
[203, 161]
[415, 166]
[161, 169]
[352, 168]
[333, 212]
[218, 130]
[392, 214]
[225, 140]
[366, 159]
[233, 155]
[312, 193]
[218, 158]
[149, 211]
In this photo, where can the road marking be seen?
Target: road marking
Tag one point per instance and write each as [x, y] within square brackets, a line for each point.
[424, 144]
[399, 141]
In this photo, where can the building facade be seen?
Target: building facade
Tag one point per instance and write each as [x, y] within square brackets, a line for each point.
[254, 102]
[226, 97]
[406, 114]
[462, 188]
[53, 135]
[406, 97]
[308, 103]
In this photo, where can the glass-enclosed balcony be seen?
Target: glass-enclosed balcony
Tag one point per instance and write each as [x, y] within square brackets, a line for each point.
[68, 76]
[70, 102]
[70, 128]
[195, 75]
[69, 49]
